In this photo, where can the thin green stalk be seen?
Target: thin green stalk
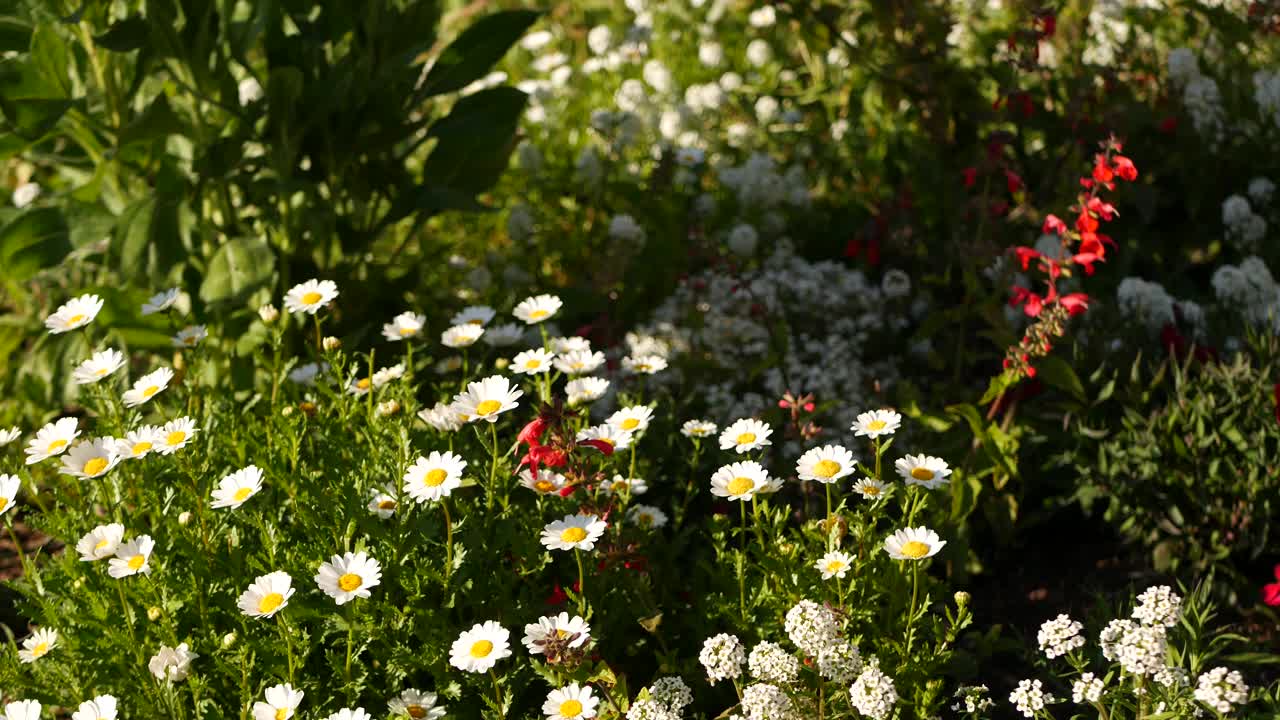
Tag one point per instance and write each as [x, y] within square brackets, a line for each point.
[448, 542]
[911, 619]
[351, 629]
[497, 691]
[493, 465]
[582, 587]
[288, 642]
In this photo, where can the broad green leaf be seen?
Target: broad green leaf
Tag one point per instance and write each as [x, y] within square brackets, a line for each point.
[155, 123]
[35, 240]
[126, 35]
[470, 57]
[1057, 372]
[475, 141]
[238, 268]
[15, 34]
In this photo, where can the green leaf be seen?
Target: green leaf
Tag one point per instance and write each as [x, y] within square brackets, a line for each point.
[473, 53]
[15, 34]
[238, 268]
[126, 35]
[475, 141]
[35, 240]
[155, 123]
[1057, 373]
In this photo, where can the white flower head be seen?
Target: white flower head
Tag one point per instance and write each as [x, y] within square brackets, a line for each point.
[723, 657]
[811, 626]
[834, 564]
[139, 443]
[100, 543]
[573, 532]
[75, 313]
[1060, 636]
[632, 419]
[22, 710]
[404, 326]
[644, 364]
[348, 576]
[570, 702]
[473, 315]
[51, 440]
[873, 692]
[190, 336]
[38, 644]
[771, 663]
[268, 595]
[532, 362]
[545, 482]
[172, 664]
[281, 703]
[537, 309]
[487, 399]
[132, 557]
[739, 481]
[698, 428]
[870, 488]
[477, 650]
[102, 707]
[503, 335]
[435, 476]
[913, 544]
[924, 470]
[147, 387]
[90, 458]
[9, 486]
[825, 464]
[579, 362]
[461, 336]
[236, 489]
[97, 367]
[745, 435]
[875, 423]
[1030, 698]
[310, 297]
[175, 434]
[585, 389]
[9, 435]
[417, 705]
[647, 516]
[550, 632]
[616, 438]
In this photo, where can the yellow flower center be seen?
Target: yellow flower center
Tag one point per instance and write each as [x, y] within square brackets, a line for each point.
[826, 468]
[475, 321]
[95, 466]
[150, 391]
[4, 503]
[56, 445]
[481, 648]
[407, 331]
[745, 439]
[75, 319]
[350, 582]
[629, 424]
[100, 372]
[101, 544]
[577, 365]
[364, 383]
[643, 367]
[869, 489]
[40, 650]
[434, 477]
[269, 603]
[416, 711]
[835, 566]
[140, 447]
[544, 486]
[387, 505]
[488, 407]
[876, 425]
[538, 314]
[915, 549]
[922, 473]
[740, 485]
[645, 519]
[620, 485]
[137, 561]
[242, 494]
[282, 713]
[570, 708]
[175, 438]
[311, 298]
[533, 364]
[573, 535]
[190, 340]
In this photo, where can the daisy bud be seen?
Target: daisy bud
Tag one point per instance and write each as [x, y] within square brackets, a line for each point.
[390, 407]
[153, 613]
[331, 343]
[961, 598]
[184, 518]
[286, 411]
[228, 640]
[268, 313]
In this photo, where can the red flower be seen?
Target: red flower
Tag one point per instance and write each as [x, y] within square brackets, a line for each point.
[1169, 125]
[1271, 592]
[1031, 303]
[1053, 224]
[1014, 182]
[531, 434]
[1075, 303]
[603, 446]
[1026, 255]
[1086, 222]
[1101, 171]
[1104, 210]
[970, 175]
[1125, 168]
[558, 595]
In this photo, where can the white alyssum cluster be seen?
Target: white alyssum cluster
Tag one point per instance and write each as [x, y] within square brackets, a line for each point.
[770, 662]
[1148, 303]
[1243, 226]
[1158, 606]
[1249, 290]
[1221, 688]
[672, 692]
[763, 701]
[1060, 636]
[811, 627]
[1086, 689]
[972, 699]
[723, 656]
[839, 661]
[1200, 94]
[1266, 93]
[1261, 190]
[1140, 649]
[873, 693]
[1030, 698]
[650, 709]
[758, 184]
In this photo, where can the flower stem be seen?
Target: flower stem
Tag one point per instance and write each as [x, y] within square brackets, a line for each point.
[911, 619]
[448, 542]
[497, 691]
[582, 588]
[288, 643]
[493, 464]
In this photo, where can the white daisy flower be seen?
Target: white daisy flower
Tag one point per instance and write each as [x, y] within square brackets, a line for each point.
[382, 502]
[132, 557]
[503, 335]
[9, 487]
[100, 543]
[487, 399]
[417, 705]
[461, 336]
[570, 702]
[537, 309]
[139, 443]
[189, 336]
[282, 700]
[834, 564]
[585, 389]
[404, 326]
[147, 386]
[745, 435]
[633, 419]
[38, 644]
[175, 435]
[8, 436]
[310, 296]
[22, 710]
[618, 439]
[875, 423]
[647, 516]
[477, 650]
[622, 486]
[546, 482]
[434, 476]
[100, 365]
[644, 364]
[74, 313]
[579, 362]
[235, 489]
[572, 344]
[574, 532]
[350, 714]
[442, 417]
[473, 315]
[172, 664]
[307, 373]
[52, 439]
[532, 362]
[925, 470]
[572, 631]
[90, 458]
[348, 576]
[160, 302]
[698, 428]
[739, 481]
[870, 488]
[268, 595]
[102, 707]
[825, 464]
[913, 544]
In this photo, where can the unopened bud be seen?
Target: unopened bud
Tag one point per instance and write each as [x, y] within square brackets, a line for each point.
[961, 598]
[268, 313]
[153, 613]
[228, 640]
[331, 343]
[390, 407]
[286, 411]
[184, 518]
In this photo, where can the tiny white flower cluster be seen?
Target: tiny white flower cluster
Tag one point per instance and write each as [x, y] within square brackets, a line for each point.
[1147, 303]
[723, 657]
[972, 699]
[1158, 606]
[1200, 95]
[1030, 698]
[1248, 290]
[771, 663]
[811, 627]
[1243, 226]
[1087, 689]
[1060, 636]
[1221, 688]
[1140, 649]
[873, 693]
[665, 699]
[763, 701]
